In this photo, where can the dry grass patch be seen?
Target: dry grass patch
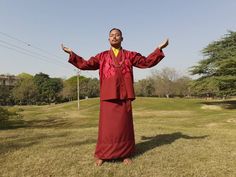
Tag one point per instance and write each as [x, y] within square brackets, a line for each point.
[148, 113]
[211, 107]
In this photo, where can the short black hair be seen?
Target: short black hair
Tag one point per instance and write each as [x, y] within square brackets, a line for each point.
[117, 30]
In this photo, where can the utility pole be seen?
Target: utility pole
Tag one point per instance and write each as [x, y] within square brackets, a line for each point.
[78, 74]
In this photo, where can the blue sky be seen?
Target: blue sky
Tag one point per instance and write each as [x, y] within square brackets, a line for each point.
[30, 27]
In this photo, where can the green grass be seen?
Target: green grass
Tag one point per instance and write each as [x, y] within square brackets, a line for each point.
[174, 138]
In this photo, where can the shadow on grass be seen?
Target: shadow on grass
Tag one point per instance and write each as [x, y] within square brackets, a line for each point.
[12, 124]
[159, 140]
[10, 120]
[229, 104]
[14, 143]
[48, 122]
[77, 143]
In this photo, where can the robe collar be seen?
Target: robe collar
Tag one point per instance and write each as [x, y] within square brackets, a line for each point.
[119, 59]
[115, 51]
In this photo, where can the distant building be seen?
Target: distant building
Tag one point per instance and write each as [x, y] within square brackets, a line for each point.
[8, 80]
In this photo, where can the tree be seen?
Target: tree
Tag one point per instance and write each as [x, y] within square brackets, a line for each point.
[145, 87]
[5, 95]
[48, 88]
[25, 92]
[93, 87]
[25, 76]
[217, 73]
[165, 81]
[69, 91]
[182, 86]
[55, 85]
[88, 87]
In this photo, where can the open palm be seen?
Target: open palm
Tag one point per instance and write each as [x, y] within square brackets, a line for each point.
[66, 49]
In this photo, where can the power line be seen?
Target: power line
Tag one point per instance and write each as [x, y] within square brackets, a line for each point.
[28, 52]
[10, 48]
[14, 38]
[36, 55]
[31, 52]
[28, 44]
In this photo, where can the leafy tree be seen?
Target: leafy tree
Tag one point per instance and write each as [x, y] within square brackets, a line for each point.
[55, 85]
[41, 81]
[25, 92]
[48, 88]
[88, 87]
[5, 95]
[93, 87]
[145, 87]
[25, 76]
[182, 86]
[217, 73]
[69, 91]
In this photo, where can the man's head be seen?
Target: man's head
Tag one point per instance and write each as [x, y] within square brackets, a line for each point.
[115, 37]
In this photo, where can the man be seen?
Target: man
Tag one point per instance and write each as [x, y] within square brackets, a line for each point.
[116, 132]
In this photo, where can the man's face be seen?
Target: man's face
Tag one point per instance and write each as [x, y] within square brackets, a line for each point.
[115, 38]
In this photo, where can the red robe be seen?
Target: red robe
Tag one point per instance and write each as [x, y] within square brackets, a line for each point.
[116, 132]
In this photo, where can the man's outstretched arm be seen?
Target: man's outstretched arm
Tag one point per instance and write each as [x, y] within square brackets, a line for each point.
[152, 59]
[80, 62]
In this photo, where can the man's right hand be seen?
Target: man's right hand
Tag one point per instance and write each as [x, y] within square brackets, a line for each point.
[67, 50]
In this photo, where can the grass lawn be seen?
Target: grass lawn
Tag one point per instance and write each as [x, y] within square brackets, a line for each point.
[174, 138]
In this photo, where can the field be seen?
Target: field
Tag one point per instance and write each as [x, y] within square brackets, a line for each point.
[174, 138]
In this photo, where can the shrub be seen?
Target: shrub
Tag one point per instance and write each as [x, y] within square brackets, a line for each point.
[4, 114]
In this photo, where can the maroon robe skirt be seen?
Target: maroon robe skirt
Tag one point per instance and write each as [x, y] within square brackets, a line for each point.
[116, 131]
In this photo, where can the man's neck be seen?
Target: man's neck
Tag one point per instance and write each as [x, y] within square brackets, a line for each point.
[116, 46]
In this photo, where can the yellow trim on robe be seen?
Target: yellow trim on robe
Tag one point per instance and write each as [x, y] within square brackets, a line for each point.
[115, 51]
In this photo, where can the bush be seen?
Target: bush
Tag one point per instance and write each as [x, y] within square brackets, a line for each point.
[10, 119]
[4, 114]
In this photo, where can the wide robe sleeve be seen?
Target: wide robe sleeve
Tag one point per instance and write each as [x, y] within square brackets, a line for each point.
[81, 63]
[147, 62]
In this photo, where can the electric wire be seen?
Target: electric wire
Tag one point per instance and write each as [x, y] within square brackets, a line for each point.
[28, 44]
[16, 50]
[34, 54]
[31, 52]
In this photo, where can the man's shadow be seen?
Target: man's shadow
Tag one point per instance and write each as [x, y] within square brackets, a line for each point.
[152, 142]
